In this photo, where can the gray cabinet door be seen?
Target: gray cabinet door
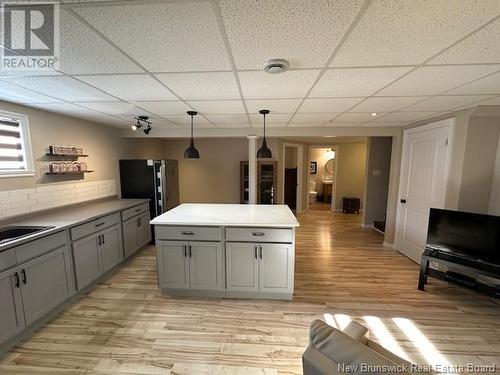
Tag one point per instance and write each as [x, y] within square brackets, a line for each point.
[44, 284]
[11, 311]
[143, 230]
[205, 265]
[130, 237]
[275, 268]
[111, 247]
[242, 267]
[173, 264]
[87, 257]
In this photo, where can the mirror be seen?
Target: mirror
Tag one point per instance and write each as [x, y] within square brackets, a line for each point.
[330, 166]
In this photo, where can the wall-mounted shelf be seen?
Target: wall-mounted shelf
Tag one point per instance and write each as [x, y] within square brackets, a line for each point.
[65, 155]
[70, 173]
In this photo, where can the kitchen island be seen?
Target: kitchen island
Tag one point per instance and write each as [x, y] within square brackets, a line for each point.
[226, 250]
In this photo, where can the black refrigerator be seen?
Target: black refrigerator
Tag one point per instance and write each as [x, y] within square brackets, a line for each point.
[157, 180]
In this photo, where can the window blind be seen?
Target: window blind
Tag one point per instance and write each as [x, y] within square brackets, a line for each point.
[11, 145]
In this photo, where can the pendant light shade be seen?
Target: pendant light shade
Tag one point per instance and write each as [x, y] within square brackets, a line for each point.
[264, 152]
[191, 152]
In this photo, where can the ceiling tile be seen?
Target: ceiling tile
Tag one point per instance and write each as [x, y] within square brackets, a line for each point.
[202, 86]
[305, 32]
[407, 32]
[274, 105]
[407, 116]
[331, 105]
[384, 124]
[218, 106]
[313, 118]
[17, 94]
[62, 87]
[290, 84]
[232, 125]
[493, 101]
[308, 124]
[162, 124]
[67, 109]
[115, 108]
[433, 80]
[356, 116]
[272, 118]
[163, 37]
[342, 124]
[135, 87]
[487, 85]
[228, 119]
[355, 82]
[386, 104]
[480, 47]
[83, 51]
[185, 121]
[160, 108]
[446, 103]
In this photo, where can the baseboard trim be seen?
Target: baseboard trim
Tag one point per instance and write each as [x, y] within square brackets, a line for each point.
[389, 245]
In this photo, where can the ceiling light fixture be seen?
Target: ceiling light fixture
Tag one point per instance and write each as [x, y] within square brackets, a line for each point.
[374, 114]
[274, 66]
[264, 152]
[142, 121]
[191, 152]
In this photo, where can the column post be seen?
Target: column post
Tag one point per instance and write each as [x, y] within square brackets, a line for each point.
[252, 169]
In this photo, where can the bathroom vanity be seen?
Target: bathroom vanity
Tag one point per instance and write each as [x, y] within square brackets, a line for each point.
[226, 250]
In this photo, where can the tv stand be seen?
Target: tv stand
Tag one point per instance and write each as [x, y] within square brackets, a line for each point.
[459, 263]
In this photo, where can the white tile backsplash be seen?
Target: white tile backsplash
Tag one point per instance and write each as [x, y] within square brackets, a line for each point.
[42, 197]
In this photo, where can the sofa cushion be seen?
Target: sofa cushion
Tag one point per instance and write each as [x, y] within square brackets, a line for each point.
[350, 355]
[357, 331]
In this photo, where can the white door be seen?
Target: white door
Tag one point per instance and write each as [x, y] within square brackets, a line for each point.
[424, 172]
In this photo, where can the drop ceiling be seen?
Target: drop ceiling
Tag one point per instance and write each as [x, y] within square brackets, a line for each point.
[406, 60]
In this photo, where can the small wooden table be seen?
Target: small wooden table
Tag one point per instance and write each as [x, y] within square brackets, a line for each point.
[350, 205]
[327, 191]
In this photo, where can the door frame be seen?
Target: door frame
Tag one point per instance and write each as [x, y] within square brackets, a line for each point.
[450, 124]
[336, 148]
[300, 173]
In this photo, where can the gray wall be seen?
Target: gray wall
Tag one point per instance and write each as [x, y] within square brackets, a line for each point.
[378, 164]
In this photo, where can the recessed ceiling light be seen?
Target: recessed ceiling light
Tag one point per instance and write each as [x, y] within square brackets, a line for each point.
[374, 114]
[274, 66]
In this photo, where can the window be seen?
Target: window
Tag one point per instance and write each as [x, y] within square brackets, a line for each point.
[15, 146]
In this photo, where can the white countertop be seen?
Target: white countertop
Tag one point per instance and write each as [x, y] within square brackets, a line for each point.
[70, 216]
[240, 215]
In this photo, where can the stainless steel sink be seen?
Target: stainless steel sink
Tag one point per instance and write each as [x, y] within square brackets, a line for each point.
[15, 232]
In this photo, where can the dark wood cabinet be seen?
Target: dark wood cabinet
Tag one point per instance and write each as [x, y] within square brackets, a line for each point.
[267, 181]
[350, 205]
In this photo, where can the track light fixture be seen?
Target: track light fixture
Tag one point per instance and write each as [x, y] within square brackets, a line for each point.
[142, 121]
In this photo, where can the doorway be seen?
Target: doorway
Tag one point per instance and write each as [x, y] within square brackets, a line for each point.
[322, 177]
[424, 174]
[292, 176]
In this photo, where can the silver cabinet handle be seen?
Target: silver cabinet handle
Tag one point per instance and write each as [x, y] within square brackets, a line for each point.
[185, 250]
[99, 240]
[260, 251]
[103, 242]
[190, 251]
[100, 224]
[255, 251]
[258, 234]
[186, 233]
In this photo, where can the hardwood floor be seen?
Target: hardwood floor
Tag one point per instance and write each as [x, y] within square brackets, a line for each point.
[125, 326]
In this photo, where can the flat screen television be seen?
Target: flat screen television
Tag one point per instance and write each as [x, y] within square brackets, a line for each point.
[465, 234]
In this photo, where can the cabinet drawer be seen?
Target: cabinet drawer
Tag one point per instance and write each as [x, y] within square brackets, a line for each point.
[128, 213]
[259, 235]
[35, 248]
[94, 226]
[163, 232]
[7, 259]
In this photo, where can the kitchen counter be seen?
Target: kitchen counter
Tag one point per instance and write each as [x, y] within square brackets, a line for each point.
[71, 216]
[248, 215]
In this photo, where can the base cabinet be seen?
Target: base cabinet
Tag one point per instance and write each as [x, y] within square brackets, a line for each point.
[259, 267]
[96, 254]
[190, 265]
[136, 233]
[11, 312]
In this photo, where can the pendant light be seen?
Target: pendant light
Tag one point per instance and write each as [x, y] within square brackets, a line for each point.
[264, 152]
[191, 152]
